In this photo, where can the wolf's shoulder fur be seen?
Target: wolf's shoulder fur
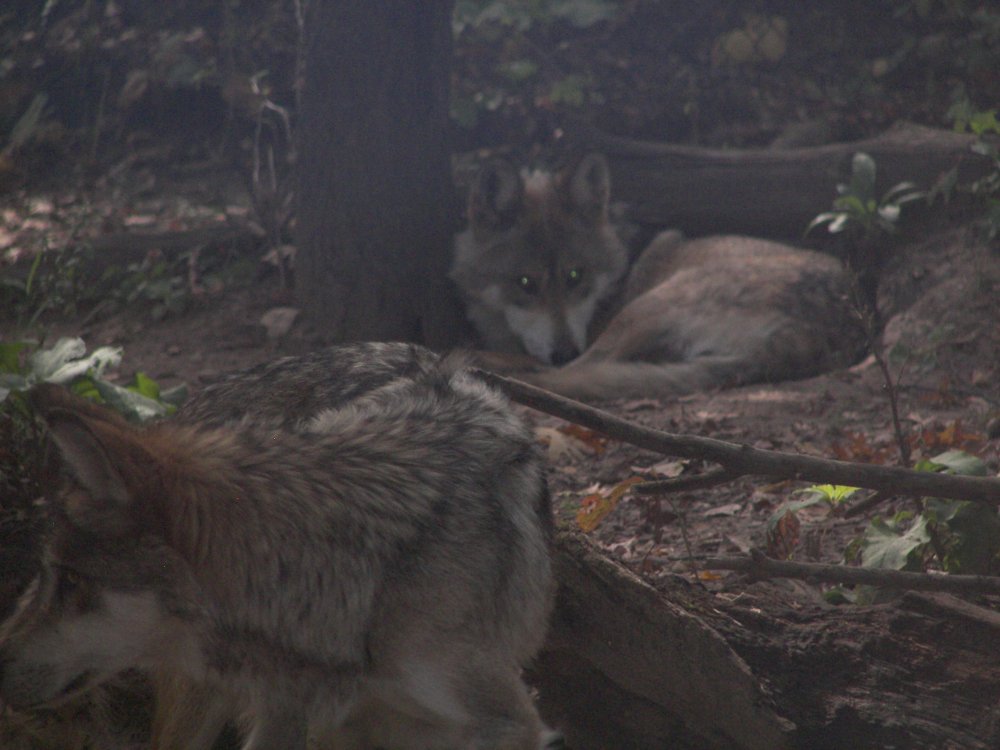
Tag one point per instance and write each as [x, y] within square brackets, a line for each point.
[288, 390]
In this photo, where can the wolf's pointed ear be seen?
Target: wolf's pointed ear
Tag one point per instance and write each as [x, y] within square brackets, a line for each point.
[587, 185]
[88, 459]
[496, 196]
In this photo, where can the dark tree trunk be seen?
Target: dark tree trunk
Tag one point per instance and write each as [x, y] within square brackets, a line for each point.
[376, 208]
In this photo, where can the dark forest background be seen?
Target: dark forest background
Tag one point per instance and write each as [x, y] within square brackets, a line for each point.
[84, 85]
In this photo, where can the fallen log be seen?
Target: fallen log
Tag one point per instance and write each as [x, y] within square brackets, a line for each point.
[769, 192]
[627, 666]
[624, 667]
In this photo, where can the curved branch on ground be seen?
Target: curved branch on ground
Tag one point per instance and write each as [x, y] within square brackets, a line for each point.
[739, 459]
[759, 566]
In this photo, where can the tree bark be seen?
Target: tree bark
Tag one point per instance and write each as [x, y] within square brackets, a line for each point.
[769, 192]
[376, 205]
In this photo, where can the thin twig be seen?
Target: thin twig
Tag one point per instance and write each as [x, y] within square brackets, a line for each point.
[759, 566]
[892, 394]
[744, 459]
[702, 481]
[863, 506]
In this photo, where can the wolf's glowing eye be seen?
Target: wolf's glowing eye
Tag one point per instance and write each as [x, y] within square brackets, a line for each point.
[527, 284]
[573, 277]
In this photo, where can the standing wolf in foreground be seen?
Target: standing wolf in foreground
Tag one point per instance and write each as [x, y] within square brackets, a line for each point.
[542, 273]
[380, 580]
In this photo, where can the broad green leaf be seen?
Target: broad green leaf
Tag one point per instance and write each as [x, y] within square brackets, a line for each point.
[831, 493]
[954, 462]
[984, 122]
[851, 202]
[960, 462]
[133, 405]
[883, 546]
[146, 386]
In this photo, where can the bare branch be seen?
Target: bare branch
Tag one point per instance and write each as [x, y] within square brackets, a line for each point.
[702, 481]
[863, 506]
[760, 566]
[744, 459]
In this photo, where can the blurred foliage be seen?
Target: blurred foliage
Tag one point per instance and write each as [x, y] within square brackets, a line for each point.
[986, 189]
[86, 79]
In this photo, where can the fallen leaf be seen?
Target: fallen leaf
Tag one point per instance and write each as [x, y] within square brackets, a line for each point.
[595, 507]
[783, 536]
[729, 509]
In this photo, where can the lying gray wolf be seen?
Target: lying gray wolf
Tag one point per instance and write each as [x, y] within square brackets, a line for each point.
[377, 580]
[542, 273]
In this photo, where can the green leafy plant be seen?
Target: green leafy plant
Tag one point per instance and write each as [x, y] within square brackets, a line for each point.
[68, 363]
[866, 222]
[525, 75]
[858, 211]
[986, 189]
[959, 536]
[155, 282]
